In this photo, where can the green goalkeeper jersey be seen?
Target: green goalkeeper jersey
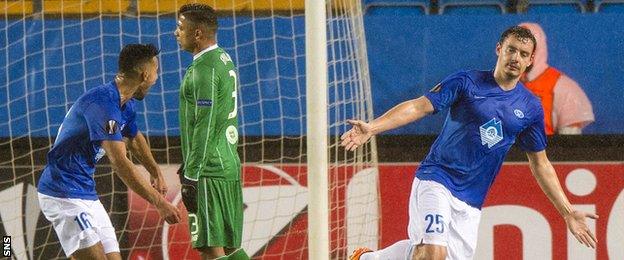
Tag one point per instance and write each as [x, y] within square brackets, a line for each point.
[208, 117]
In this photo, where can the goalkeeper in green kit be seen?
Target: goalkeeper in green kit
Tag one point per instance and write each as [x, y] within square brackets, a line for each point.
[211, 172]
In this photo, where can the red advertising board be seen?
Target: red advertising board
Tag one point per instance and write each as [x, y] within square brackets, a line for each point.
[516, 206]
[518, 221]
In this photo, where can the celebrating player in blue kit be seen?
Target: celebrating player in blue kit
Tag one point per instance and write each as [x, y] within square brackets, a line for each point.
[102, 121]
[488, 112]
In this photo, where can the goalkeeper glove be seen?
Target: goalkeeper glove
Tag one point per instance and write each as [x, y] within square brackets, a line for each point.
[189, 191]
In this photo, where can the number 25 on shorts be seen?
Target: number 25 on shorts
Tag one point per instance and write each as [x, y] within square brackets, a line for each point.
[436, 223]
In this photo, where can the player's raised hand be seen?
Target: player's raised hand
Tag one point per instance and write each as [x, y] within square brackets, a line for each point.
[170, 213]
[357, 136]
[576, 224]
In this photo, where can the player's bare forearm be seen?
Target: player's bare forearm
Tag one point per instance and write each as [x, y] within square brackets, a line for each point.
[125, 169]
[139, 148]
[402, 114]
[546, 177]
[130, 176]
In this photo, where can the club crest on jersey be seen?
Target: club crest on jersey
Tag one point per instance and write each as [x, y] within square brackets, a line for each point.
[204, 102]
[491, 132]
[231, 134]
[111, 127]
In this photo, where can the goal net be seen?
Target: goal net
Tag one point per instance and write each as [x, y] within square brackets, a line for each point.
[54, 51]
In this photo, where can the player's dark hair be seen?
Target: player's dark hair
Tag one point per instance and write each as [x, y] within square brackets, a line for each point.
[520, 33]
[200, 15]
[133, 56]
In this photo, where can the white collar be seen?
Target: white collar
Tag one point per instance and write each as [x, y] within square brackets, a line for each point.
[212, 47]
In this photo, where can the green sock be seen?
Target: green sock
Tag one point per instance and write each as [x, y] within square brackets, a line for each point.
[239, 254]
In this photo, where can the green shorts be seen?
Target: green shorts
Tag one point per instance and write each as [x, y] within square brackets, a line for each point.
[219, 218]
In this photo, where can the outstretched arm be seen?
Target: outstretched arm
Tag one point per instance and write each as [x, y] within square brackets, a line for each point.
[545, 175]
[139, 148]
[116, 152]
[402, 114]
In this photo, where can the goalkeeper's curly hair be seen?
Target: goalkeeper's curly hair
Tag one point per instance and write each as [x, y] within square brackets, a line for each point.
[200, 15]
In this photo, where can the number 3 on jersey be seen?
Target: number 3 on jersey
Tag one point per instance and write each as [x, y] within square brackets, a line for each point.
[233, 113]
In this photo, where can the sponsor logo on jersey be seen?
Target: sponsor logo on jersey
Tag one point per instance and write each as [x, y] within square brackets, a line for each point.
[111, 127]
[518, 113]
[204, 102]
[491, 132]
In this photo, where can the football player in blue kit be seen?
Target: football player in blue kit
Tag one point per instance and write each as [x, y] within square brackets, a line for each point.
[488, 111]
[102, 122]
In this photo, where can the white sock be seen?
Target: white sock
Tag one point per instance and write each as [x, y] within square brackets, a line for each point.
[399, 250]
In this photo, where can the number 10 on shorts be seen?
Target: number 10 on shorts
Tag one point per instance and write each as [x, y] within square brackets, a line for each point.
[83, 221]
[436, 223]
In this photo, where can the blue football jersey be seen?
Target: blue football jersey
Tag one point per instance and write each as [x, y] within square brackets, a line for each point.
[96, 116]
[483, 122]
